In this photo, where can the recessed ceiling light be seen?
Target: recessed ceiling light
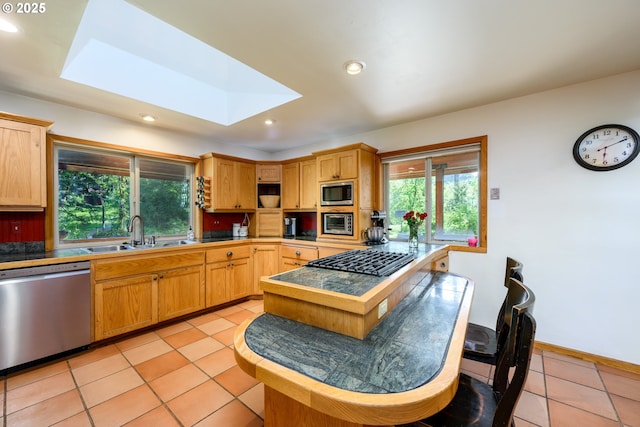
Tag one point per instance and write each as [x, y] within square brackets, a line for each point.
[269, 122]
[354, 67]
[148, 118]
[7, 26]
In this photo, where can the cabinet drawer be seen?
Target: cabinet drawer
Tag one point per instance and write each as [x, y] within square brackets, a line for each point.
[228, 253]
[299, 252]
[140, 264]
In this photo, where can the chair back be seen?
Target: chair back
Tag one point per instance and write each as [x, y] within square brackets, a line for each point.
[514, 269]
[516, 352]
[522, 357]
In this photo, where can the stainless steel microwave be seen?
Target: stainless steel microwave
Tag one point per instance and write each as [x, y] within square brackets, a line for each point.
[339, 223]
[336, 194]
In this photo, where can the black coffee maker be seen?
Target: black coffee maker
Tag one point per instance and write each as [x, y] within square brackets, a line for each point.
[290, 227]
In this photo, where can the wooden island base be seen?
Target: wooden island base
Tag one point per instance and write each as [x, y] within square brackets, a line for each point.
[281, 410]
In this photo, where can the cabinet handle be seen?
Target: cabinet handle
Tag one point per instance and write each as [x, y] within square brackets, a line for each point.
[298, 253]
[229, 253]
[162, 276]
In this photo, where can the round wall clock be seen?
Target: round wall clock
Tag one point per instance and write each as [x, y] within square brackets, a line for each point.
[606, 147]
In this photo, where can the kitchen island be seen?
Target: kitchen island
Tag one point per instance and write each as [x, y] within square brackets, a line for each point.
[405, 369]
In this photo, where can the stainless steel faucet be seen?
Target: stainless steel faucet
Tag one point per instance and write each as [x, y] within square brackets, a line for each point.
[131, 229]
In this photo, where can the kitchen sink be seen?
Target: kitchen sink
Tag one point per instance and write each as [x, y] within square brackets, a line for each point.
[169, 243]
[110, 248]
[128, 247]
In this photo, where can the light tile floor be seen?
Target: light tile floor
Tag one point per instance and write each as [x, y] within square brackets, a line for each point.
[185, 375]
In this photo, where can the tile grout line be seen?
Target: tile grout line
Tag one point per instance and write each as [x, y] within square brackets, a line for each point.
[84, 403]
[606, 389]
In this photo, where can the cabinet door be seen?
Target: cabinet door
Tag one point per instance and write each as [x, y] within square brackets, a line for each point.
[267, 173]
[245, 175]
[291, 186]
[22, 165]
[347, 162]
[265, 263]
[225, 188]
[342, 165]
[124, 305]
[180, 292]
[240, 278]
[269, 223]
[327, 167]
[308, 185]
[217, 291]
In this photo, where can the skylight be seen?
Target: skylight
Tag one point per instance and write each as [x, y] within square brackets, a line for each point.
[122, 49]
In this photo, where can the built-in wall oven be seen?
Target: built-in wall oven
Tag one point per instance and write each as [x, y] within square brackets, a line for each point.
[338, 223]
[336, 194]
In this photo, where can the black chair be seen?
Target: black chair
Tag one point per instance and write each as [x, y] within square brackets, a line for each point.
[482, 405]
[482, 343]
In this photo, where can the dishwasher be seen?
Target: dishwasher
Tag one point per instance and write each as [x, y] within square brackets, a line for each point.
[44, 310]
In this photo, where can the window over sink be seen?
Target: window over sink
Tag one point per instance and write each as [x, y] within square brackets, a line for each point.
[98, 190]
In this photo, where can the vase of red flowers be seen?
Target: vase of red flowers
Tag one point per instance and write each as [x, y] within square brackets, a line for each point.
[414, 221]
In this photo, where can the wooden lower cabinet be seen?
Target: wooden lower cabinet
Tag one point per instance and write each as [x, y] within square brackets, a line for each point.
[265, 263]
[296, 256]
[227, 281]
[229, 274]
[132, 292]
[181, 292]
[126, 304]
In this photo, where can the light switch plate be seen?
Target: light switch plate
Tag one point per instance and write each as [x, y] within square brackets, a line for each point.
[494, 194]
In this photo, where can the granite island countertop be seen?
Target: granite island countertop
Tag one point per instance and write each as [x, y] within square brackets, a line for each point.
[401, 353]
[405, 369]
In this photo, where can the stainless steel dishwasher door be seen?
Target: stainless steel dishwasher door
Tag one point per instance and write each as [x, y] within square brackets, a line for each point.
[44, 311]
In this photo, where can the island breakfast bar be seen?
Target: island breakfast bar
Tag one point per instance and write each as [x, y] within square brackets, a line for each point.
[405, 369]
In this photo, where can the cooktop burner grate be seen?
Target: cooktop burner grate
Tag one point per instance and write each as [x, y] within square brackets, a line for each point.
[375, 263]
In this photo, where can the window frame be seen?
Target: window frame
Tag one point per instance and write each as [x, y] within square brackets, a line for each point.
[53, 141]
[482, 142]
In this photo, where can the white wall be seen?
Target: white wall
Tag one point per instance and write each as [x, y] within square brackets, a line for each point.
[575, 230]
[70, 121]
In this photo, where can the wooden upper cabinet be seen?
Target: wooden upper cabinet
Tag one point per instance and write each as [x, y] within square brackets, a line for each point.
[338, 166]
[23, 171]
[299, 185]
[291, 186]
[308, 185]
[266, 173]
[233, 183]
[246, 185]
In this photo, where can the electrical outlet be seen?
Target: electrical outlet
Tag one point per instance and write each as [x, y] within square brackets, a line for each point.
[16, 227]
[382, 308]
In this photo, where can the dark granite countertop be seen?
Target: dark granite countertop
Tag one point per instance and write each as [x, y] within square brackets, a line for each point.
[356, 284]
[406, 350]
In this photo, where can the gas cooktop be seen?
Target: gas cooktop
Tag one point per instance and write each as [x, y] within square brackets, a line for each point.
[375, 263]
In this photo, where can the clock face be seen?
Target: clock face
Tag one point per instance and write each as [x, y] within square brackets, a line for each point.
[606, 147]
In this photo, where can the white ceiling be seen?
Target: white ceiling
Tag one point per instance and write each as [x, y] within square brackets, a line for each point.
[424, 58]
